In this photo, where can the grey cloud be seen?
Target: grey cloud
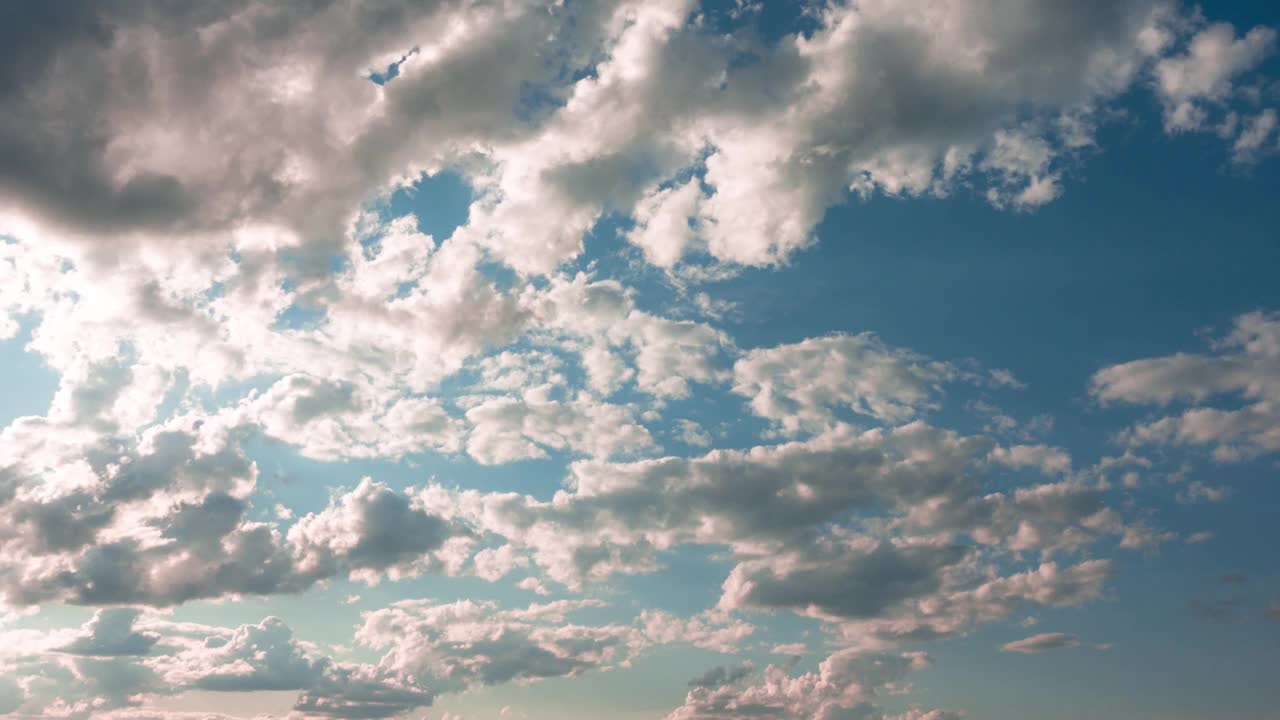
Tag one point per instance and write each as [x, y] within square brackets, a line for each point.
[428, 650]
[965, 601]
[112, 633]
[800, 386]
[177, 513]
[842, 581]
[105, 72]
[259, 657]
[370, 528]
[467, 644]
[772, 500]
[843, 687]
[722, 675]
[353, 694]
[875, 99]
[183, 657]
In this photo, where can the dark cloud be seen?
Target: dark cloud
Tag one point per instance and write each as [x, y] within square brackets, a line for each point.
[843, 581]
[112, 633]
[194, 500]
[722, 675]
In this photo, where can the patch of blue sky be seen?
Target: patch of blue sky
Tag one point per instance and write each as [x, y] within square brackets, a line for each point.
[300, 316]
[680, 588]
[440, 202]
[392, 71]
[773, 20]
[29, 384]
[211, 399]
[1165, 662]
[51, 615]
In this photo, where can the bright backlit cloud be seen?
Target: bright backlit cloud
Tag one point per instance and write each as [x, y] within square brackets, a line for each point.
[306, 437]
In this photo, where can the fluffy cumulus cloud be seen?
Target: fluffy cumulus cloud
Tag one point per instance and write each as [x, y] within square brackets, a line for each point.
[843, 687]
[204, 235]
[1206, 74]
[169, 521]
[124, 658]
[802, 385]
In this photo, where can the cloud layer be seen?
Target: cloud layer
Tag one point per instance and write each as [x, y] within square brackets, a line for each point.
[204, 236]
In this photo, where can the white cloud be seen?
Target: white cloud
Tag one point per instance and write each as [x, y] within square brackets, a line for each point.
[1246, 365]
[1041, 643]
[843, 686]
[799, 386]
[1205, 72]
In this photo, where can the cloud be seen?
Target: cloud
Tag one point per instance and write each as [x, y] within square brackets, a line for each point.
[1043, 642]
[1199, 537]
[722, 675]
[370, 529]
[199, 240]
[429, 650]
[167, 522]
[1205, 72]
[1197, 492]
[506, 429]
[800, 386]
[254, 657]
[466, 644]
[930, 571]
[1251, 141]
[283, 156]
[841, 580]
[1246, 365]
[713, 630]
[620, 513]
[843, 686]
[111, 633]
[1047, 459]
[958, 608]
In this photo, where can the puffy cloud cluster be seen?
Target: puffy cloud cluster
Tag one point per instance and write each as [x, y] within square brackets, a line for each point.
[800, 386]
[1206, 77]
[842, 688]
[293, 132]
[194, 233]
[889, 535]
[122, 660]
[168, 520]
[465, 644]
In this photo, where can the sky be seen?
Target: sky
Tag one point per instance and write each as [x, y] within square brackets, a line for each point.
[639, 359]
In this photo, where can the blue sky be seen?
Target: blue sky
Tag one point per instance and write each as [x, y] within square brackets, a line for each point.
[798, 361]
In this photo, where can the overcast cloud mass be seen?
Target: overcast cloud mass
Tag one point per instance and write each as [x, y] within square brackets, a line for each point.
[663, 359]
